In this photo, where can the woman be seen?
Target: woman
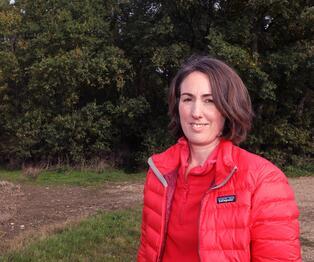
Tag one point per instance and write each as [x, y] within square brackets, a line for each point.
[206, 199]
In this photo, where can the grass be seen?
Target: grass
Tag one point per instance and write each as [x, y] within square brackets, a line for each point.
[112, 236]
[72, 177]
[91, 178]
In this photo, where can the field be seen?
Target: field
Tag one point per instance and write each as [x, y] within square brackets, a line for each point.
[78, 219]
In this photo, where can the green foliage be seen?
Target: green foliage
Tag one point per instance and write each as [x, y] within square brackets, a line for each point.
[129, 125]
[304, 170]
[88, 80]
[68, 138]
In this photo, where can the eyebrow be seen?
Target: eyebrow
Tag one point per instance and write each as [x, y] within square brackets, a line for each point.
[189, 94]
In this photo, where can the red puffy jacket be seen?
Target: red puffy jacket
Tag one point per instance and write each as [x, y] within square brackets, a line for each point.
[249, 214]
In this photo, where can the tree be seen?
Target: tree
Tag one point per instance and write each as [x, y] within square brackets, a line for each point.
[87, 80]
[67, 61]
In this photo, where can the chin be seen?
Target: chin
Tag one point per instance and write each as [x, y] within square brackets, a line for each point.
[201, 141]
[198, 141]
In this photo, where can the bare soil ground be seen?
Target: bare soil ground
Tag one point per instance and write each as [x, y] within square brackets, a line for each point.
[304, 189]
[27, 210]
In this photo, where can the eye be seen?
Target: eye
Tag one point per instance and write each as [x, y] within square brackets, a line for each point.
[186, 99]
[208, 101]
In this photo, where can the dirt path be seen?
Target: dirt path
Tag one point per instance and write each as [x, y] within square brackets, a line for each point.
[304, 189]
[26, 209]
[29, 208]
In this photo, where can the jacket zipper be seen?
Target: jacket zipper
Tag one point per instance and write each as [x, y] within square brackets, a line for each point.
[165, 184]
[163, 181]
[163, 236]
[235, 168]
[186, 190]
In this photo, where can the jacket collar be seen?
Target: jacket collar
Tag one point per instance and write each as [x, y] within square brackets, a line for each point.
[169, 161]
[225, 164]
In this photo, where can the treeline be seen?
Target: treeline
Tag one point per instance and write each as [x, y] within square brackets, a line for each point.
[87, 81]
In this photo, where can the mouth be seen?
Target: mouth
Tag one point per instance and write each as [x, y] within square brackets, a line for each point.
[198, 125]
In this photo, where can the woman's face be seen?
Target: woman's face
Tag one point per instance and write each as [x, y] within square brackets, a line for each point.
[200, 119]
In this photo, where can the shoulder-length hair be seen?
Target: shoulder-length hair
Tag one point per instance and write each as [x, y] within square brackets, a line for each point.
[229, 93]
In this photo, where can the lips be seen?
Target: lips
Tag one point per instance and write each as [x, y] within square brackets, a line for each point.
[198, 126]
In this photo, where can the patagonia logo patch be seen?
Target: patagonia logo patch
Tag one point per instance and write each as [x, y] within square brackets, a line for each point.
[226, 199]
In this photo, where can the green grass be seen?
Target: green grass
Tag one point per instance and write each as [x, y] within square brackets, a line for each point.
[112, 236]
[72, 177]
[90, 178]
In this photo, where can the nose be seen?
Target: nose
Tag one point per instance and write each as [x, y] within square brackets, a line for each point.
[197, 110]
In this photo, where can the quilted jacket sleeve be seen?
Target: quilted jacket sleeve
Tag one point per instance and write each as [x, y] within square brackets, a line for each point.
[275, 226]
[141, 254]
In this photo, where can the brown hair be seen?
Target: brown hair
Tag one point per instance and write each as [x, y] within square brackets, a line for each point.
[230, 96]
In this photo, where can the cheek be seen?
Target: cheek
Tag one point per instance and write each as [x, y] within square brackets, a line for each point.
[182, 112]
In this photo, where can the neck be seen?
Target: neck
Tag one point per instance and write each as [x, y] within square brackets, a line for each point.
[200, 153]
